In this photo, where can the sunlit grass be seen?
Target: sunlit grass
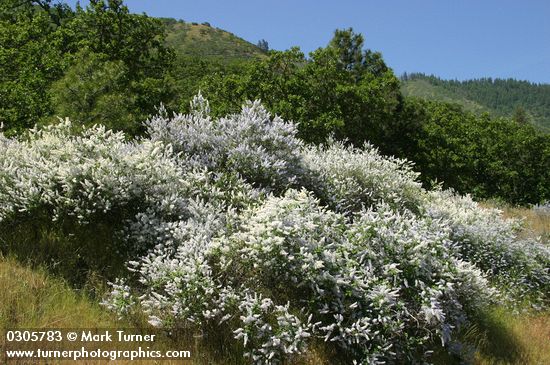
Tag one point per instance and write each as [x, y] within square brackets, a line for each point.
[503, 337]
[31, 298]
[536, 222]
[506, 338]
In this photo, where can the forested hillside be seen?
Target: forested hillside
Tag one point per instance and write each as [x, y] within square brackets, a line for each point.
[523, 101]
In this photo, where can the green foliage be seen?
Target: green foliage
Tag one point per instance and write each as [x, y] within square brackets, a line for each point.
[13, 10]
[29, 59]
[420, 88]
[93, 91]
[107, 27]
[130, 76]
[189, 72]
[340, 90]
[99, 64]
[263, 45]
[70, 250]
[500, 97]
[520, 115]
[489, 157]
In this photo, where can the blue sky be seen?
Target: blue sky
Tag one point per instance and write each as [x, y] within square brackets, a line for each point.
[459, 39]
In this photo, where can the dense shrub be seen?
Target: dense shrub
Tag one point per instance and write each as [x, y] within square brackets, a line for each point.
[340, 89]
[232, 223]
[100, 64]
[82, 175]
[491, 243]
[486, 157]
[347, 178]
[263, 150]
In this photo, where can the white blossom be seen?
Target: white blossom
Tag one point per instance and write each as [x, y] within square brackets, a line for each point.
[241, 225]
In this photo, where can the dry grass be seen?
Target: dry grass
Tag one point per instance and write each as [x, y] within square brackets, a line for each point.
[505, 338]
[536, 222]
[33, 299]
[199, 32]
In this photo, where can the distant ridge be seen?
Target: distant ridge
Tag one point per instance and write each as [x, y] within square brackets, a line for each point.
[499, 97]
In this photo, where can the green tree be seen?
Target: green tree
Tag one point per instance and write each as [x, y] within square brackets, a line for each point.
[30, 61]
[107, 27]
[520, 115]
[341, 90]
[93, 91]
[349, 49]
[263, 45]
[500, 97]
[488, 157]
[42, 40]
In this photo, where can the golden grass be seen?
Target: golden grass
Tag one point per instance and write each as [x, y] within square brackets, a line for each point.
[199, 32]
[537, 224]
[32, 299]
[506, 338]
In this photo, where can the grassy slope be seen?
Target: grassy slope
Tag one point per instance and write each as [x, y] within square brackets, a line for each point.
[505, 338]
[536, 223]
[203, 40]
[33, 299]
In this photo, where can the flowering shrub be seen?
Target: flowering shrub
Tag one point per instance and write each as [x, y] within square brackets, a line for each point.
[348, 178]
[264, 150]
[371, 286]
[98, 176]
[233, 222]
[85, 174]
[492, 244]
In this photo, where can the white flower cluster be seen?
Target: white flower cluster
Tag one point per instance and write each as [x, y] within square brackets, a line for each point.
[347, 178]
[263, 150]
[243, 227]
[371, 284]
[83, 175]
[491, 243]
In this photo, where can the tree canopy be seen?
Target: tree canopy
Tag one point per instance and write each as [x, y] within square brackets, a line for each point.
[104, 65]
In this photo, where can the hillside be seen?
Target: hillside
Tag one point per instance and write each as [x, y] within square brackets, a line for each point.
[193, 39]
[496, 96]
[426, 90]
